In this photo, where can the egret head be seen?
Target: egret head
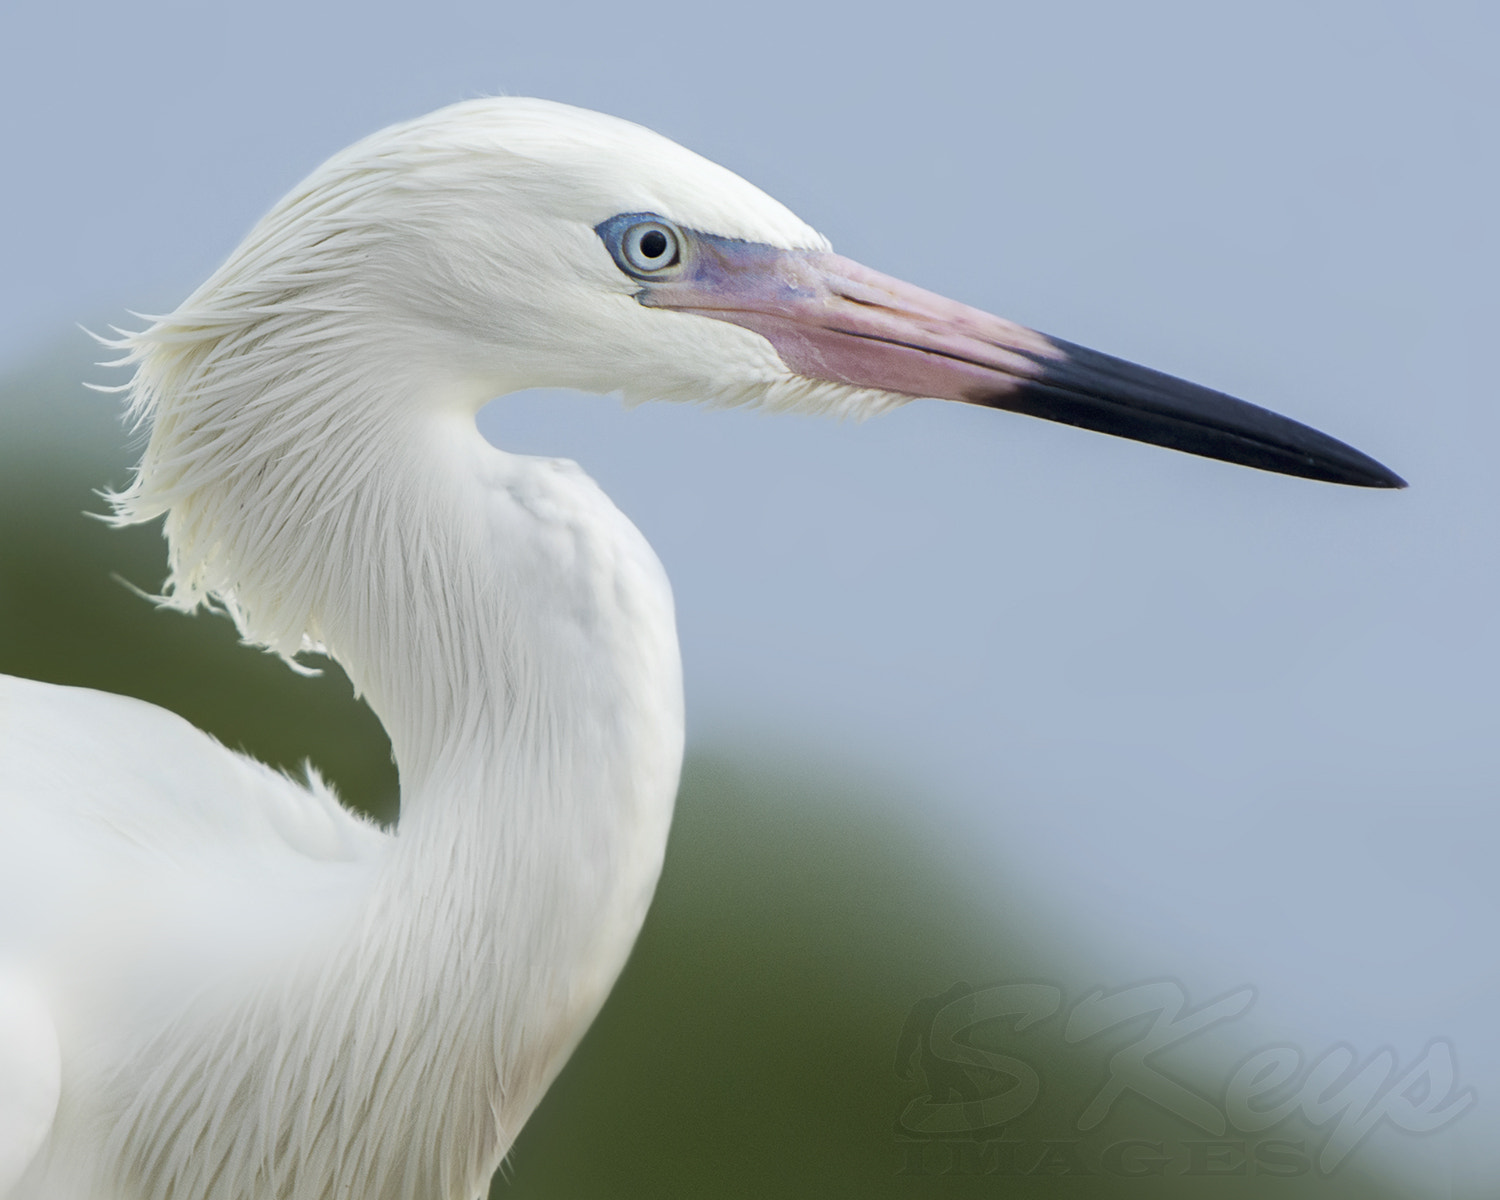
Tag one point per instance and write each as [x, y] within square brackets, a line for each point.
[508, 243]
[511, 243]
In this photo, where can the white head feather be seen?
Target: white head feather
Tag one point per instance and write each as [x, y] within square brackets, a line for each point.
[435, 264]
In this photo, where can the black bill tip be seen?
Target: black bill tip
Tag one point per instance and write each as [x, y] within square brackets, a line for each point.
[1107, 394]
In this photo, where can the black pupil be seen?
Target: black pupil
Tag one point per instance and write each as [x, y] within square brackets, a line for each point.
[653, 243]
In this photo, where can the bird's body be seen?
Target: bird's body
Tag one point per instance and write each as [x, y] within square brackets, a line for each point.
[218, 984]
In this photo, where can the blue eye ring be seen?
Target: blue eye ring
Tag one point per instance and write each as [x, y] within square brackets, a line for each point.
[651, 247]
[643, 244]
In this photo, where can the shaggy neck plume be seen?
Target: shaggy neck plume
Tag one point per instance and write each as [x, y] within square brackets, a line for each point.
[513, 632]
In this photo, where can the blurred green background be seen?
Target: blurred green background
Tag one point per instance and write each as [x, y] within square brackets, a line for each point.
[751, 1046]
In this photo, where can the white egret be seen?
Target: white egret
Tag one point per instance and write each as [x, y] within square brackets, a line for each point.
[219, 984]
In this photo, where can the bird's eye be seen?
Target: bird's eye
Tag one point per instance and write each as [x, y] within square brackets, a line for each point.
[651, 246]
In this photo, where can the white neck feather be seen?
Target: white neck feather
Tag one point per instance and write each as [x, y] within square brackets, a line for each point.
[514, 633]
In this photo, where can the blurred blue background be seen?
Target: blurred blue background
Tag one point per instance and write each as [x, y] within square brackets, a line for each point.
[1165, 717]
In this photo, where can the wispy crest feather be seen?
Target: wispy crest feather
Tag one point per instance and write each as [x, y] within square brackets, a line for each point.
[250, 395]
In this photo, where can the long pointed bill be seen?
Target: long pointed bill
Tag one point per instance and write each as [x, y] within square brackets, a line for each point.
[830, 318]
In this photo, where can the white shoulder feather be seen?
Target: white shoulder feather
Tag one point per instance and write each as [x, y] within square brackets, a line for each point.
[96, 786]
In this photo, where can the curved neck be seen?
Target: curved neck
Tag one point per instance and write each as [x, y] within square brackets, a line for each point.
[515, 635]
[322, 476]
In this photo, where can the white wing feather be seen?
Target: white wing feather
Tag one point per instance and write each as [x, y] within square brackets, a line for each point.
[139, 859]
[125, 781]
